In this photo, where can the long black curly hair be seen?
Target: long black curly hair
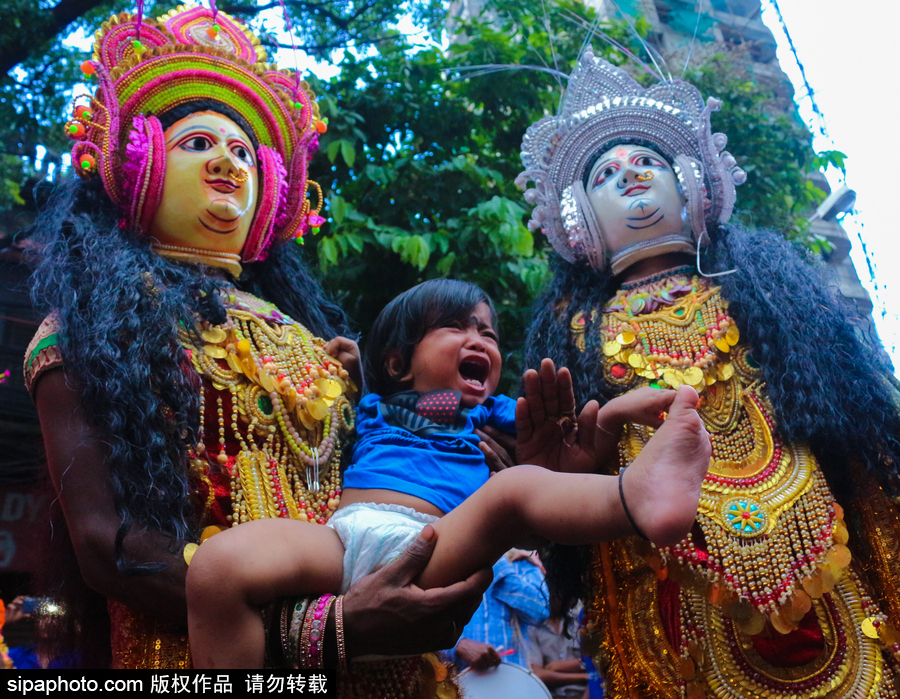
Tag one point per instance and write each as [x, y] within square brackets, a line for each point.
[119, 306]
[829, 381]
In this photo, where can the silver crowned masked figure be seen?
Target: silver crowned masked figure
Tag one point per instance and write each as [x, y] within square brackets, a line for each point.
[788, 583]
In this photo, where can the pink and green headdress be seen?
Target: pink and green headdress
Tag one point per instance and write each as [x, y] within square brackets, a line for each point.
[145, 67]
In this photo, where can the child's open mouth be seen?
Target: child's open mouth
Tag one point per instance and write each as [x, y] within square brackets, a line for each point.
[474, 370]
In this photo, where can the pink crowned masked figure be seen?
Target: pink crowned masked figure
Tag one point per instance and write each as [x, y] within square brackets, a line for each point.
[191, 375]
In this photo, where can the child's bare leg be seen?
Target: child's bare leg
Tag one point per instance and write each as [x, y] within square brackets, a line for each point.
[662, 489]
[235, 572]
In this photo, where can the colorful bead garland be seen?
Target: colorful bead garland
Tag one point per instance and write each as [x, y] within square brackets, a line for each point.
[673, 331]
[289, 409]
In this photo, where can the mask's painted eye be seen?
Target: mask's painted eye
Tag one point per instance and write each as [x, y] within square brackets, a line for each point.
[648, 161]
[240, 151]
[196, 144]
[604, 174]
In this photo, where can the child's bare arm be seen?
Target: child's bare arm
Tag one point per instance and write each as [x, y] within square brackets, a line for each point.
[656, 495]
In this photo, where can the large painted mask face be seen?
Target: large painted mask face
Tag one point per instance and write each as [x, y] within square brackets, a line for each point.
[637, 203]
[211, 185]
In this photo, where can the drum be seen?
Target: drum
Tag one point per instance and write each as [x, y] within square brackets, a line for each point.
[502, 682]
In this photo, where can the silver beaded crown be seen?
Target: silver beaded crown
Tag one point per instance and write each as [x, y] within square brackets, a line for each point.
[604, 106]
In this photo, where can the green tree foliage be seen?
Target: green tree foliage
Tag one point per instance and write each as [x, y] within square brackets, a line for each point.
[42, 73]
[420, 156]
[771, 145]
[41, 66]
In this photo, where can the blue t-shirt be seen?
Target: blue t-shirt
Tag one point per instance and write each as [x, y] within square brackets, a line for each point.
[442, 468]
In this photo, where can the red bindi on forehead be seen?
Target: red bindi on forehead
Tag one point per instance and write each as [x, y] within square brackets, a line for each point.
[222, 129]
[621, 154]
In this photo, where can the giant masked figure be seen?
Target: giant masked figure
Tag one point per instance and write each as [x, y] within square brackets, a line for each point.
[180, 376]
[789, 582]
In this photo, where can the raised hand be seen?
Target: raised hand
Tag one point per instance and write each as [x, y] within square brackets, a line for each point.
[548, 432]
[346, 351]
[550, 435]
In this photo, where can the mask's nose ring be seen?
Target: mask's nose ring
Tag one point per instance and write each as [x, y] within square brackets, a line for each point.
[646, 177]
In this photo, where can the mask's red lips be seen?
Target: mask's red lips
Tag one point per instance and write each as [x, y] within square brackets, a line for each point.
[223, 186]
[636, 188]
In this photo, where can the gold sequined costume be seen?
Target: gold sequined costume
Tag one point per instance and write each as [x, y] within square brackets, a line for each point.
[275, 417]
[763, 598]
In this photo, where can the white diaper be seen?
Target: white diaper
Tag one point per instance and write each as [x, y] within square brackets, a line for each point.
[374, 535]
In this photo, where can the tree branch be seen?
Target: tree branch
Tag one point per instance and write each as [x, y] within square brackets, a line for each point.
[313, 48]
[22, 45]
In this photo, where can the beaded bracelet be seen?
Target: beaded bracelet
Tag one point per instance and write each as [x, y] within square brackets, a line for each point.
[310, 653]
[339, 629]
[292, 647]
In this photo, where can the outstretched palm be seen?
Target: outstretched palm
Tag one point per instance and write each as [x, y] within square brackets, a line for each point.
[550, 435]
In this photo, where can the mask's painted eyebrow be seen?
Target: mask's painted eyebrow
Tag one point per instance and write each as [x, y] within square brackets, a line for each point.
[238, 137]
[599, 165]
[613, 158]
[657, 156]
[189, 128]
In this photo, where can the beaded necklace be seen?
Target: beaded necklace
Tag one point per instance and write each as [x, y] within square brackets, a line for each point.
[672, 331]
[289, 411]
[760, 496]
[221, 260]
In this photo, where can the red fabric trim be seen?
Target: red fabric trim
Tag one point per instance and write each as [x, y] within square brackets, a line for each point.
[797, 648]
[668, 593]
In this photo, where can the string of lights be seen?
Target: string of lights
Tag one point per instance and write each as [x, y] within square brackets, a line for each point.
[809, 91]
[878, 290]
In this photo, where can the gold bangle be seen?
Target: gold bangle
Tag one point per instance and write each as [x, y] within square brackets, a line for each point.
[339, 630]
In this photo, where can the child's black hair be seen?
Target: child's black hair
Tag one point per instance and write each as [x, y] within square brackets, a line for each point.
[408, 318]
